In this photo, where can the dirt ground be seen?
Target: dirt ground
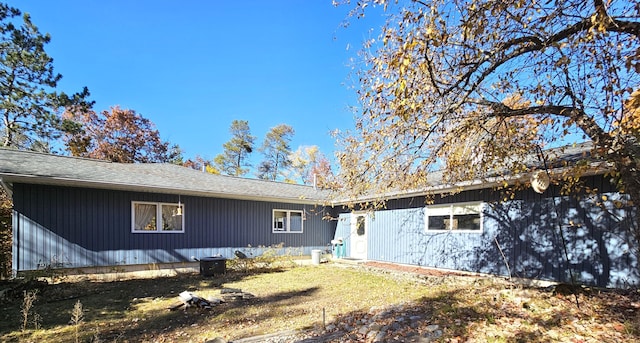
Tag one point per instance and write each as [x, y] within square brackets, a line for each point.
[415, 269]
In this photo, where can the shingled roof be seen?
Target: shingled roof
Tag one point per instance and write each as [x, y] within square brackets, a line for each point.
[40, 168]
[554, 159]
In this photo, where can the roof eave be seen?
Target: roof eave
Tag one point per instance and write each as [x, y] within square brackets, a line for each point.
[68, 182]
[596, 168]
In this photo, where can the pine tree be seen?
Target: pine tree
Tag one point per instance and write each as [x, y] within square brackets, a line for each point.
[29, 104]
[234, 159]
[276, 149]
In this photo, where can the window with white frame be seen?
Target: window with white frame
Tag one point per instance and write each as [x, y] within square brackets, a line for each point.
[287, 221]
[149, 217]
[463, 217]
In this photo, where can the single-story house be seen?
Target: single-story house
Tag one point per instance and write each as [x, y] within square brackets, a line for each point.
[74, 212]
[472, 227]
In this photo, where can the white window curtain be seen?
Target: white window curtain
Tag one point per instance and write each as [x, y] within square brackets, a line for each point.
[144, 215]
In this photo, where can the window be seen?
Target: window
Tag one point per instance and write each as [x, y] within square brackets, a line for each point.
[360, 225]
[149, 217]
[455, 217]
[287, 221]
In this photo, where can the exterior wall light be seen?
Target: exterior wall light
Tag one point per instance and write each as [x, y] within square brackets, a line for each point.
[178, 211]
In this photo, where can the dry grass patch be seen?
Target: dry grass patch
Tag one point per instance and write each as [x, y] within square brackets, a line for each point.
[463, 308]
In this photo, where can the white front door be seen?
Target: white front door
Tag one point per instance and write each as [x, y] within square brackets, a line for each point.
[358, 236]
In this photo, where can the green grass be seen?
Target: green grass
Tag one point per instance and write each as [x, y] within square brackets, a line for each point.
[291, 299]
[294, 298]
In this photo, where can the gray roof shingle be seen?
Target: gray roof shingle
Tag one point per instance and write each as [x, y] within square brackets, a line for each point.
[33, 167]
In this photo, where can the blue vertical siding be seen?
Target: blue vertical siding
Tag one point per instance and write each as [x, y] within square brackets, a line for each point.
[74, 227]
[343, 231]
[528, 229]
[397, 245]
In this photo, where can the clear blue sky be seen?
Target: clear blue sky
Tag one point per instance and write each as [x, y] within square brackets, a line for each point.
[192, 67]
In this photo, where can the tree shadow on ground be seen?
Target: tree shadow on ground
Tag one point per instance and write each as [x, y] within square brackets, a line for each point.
[124, 301]
[453, 309]
[238, 312]
[503, 314]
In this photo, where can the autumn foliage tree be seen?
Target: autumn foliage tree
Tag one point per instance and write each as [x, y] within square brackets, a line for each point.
[467, 86]
[321, 174]
[200, 163]
[118, 135]
[310, 165]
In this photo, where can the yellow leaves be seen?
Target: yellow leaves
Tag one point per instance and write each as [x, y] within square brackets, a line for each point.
[516, 101]
[599, 22]
[632, 62]
[618, 204]
[563, 61]
[508, 194]
[212, 170]
[429, 31]
[630, 121]
[402, 86]
[431, 73]
[403, 69]
[423, 67]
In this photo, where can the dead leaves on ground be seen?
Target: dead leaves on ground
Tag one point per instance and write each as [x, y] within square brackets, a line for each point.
[538, 315]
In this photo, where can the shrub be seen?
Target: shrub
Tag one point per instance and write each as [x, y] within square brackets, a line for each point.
[262, 258]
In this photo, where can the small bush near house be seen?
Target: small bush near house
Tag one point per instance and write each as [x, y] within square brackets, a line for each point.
[263, 259]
